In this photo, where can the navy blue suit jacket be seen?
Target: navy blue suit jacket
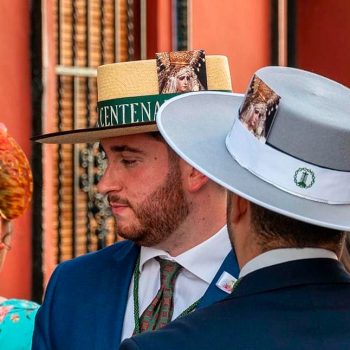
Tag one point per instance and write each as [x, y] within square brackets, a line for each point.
[296, 305]
[86, 299]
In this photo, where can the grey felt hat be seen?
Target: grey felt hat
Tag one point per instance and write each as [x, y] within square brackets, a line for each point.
[284, 145]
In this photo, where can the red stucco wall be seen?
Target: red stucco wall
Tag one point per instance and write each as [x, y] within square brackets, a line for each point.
[15, 112]
[323, 44]
[237, 29]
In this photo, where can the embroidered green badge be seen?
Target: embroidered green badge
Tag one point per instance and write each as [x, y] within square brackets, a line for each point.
[304, 178]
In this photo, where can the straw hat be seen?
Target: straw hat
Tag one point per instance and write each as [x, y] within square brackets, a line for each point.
[289, 153]
[129, 93]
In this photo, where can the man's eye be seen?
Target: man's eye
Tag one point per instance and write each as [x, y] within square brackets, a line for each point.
[128, 162]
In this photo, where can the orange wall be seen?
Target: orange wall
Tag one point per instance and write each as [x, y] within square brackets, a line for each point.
[238, 29]
[158, 27]
[322, 39]
[49, 98]
[235, 28]
[15, 106]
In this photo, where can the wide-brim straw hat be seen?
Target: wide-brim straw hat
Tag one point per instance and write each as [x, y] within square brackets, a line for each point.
[129, 98]
[299, 167]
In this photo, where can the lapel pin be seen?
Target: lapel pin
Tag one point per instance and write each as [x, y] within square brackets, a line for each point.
[226, 282]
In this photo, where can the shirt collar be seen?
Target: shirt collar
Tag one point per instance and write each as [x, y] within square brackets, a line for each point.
[278, 256]
[203, 260]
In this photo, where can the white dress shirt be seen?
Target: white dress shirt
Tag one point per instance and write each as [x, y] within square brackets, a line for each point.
[200, 265]
[278, 256]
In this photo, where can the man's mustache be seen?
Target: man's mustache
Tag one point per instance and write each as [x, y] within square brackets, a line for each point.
[114, 199]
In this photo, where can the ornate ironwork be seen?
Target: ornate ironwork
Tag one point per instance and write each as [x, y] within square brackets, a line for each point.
[74, 117]
[93, 162]
[82, 182]
[86, 36]
[102, 32]
[37, 164]
[131, 29]
[59, 128]
[181, 25]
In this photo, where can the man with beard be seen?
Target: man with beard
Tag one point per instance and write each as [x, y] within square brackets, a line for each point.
[287, 214]
[177, 256]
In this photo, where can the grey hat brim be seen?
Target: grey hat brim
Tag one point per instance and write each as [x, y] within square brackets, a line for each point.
[195, 125]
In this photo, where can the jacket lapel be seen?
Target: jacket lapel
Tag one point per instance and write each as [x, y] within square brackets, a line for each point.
[214, 293]
[113, 295]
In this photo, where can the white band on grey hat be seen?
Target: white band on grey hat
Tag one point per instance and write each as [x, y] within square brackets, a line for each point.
[286, 172]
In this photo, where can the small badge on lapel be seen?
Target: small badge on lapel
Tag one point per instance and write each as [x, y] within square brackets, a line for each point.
[226, 282]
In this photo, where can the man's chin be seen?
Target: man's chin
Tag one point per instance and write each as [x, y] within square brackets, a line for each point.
[128, 234]
[139, 238]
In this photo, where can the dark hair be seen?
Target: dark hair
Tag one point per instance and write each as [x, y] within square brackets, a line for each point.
[156, 135]
[276, 231]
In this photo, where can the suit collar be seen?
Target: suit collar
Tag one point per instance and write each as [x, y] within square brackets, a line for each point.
[202, 260]
[293, 273]
[115, 280]
[278, 256]
[214, 293]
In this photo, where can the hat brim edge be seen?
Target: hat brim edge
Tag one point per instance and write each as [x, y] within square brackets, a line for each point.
[90, 135]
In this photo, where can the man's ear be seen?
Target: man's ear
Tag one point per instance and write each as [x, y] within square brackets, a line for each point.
[239, 208]
[194, 180]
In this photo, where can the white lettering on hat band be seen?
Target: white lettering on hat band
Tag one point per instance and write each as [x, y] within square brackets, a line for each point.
[286, 172]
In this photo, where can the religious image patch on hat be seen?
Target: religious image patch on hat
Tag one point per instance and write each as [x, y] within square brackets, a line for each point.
[259, 109]
[181, 71]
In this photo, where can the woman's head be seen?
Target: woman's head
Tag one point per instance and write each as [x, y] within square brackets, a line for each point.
[254, 116]
[184, 79]
[16, 185]
[16, 182]
[181, 79]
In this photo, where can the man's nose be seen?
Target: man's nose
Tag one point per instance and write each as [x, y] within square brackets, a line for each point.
[109, 182]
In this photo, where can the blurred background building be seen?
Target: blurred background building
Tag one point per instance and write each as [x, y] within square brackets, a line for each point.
[49, 53]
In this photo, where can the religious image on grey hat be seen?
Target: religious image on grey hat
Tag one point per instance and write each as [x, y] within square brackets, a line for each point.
[259, 109]
[181, 71]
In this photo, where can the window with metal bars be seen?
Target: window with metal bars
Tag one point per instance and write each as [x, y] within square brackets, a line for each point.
[88, 34]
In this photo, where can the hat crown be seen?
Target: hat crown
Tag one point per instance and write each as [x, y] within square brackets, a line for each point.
[313, 118]
[139, 78]
[130, 93]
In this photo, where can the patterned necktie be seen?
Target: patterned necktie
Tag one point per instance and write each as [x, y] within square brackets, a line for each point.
[160, 311]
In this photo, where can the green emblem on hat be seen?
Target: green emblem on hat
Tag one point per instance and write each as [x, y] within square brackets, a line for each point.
[304, 178]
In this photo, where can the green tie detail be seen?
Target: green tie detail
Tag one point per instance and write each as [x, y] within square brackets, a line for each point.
[159, 313]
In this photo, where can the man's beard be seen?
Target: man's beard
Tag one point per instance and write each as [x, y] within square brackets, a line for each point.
[161, 213]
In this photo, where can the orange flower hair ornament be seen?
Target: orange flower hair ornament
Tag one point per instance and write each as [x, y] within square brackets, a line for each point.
[16, 181]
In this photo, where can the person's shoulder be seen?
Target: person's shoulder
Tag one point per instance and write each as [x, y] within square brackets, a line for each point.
[17, 318]
[206, 328]
[18, 309]
[20, 304]
[109, 255]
